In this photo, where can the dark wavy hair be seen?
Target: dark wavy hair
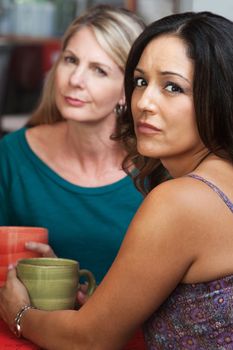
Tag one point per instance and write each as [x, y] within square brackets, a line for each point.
[209, 41]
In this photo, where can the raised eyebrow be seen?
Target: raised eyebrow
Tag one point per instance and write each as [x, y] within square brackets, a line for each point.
[176, 74]
[139, 70]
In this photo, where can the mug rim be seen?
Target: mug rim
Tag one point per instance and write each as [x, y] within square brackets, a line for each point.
[32, 262]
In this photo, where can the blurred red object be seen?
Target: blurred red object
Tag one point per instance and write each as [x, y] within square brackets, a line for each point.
[9, 341]
[137, 342]
[12, 245]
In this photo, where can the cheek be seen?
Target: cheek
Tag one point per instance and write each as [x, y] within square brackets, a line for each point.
[187, 130]
[62, 77]
[106, 96]
[59, 81]
[189, 122]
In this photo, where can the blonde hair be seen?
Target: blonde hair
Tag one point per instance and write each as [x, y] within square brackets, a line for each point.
[115, 29]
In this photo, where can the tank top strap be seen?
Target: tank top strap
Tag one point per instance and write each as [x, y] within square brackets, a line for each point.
[215, 189]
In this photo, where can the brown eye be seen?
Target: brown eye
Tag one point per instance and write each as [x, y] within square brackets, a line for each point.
[173, 88]
[139, 82]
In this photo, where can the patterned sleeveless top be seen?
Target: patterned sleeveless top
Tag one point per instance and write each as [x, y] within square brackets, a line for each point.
[195, 316]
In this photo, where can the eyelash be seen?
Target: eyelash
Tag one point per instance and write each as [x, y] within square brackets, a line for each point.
[176, 87]
[100, 71]
[70, 59]
[137, 79]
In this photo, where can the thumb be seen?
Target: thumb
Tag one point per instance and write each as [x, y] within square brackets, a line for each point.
[11, 272]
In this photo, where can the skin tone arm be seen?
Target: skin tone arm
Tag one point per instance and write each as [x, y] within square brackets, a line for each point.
[159, 251]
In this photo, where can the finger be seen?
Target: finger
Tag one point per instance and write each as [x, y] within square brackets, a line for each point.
[41, 248]
[81, 297]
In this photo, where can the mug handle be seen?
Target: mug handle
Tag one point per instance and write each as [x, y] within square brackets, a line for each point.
[90, 279]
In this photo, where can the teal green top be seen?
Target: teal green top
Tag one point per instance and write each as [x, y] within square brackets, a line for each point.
[85, 224]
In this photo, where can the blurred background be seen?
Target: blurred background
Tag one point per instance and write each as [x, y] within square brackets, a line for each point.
[30, 32]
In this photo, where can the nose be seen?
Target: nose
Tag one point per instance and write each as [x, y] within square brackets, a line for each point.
[147, 101]
[78, 77]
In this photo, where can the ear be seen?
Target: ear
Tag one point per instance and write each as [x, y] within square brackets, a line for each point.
[121, 102]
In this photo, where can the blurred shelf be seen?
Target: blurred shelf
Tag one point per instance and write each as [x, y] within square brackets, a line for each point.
[12, 122]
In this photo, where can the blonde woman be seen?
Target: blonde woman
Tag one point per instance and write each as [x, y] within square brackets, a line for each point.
[63, 171]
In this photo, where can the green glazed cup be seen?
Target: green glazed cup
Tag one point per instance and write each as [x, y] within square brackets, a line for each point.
[52, 283]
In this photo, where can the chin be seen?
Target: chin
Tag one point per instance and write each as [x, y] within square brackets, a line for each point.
[147, 151]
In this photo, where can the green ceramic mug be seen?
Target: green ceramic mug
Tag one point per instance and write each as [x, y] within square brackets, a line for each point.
[52, 283]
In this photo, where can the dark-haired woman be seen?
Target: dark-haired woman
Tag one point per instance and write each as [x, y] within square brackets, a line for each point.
[174, 270]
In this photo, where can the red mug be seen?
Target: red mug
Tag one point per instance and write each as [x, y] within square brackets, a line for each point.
[12, 245]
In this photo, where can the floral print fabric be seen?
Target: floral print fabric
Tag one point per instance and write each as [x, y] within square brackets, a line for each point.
[195, 316]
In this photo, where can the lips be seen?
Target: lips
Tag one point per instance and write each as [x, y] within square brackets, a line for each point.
[146, 128]
[75, 101]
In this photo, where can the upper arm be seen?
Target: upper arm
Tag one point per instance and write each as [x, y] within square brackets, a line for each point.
[154, 256]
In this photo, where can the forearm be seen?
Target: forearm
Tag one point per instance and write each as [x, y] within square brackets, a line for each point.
[101, 324]
[55, 330]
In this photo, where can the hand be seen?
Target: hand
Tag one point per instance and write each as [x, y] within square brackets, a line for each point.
[13, 295]
[82, 295]
[44, 249]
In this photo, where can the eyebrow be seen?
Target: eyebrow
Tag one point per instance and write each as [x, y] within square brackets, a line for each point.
[165, 73]
[92, 62]
[177, 74]
[139, 70]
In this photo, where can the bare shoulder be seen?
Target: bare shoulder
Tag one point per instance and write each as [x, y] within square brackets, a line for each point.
[182, 193]
[186, 208]
[175, 194]
[169, 210]
[179, 207]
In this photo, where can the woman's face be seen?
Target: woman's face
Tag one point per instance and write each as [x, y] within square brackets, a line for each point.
[162, 101]
[88, 83]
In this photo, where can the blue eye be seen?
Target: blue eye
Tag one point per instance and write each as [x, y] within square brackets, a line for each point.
[139, 82]
[173, 88]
